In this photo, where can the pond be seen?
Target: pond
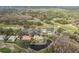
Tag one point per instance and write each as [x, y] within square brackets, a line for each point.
[39, 47]
[36, 47]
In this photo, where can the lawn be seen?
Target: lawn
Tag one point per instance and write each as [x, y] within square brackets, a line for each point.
[67, 27]
[5, 50]
[10, 26]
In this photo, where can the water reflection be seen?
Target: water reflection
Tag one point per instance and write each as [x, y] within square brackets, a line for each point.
[39, 47]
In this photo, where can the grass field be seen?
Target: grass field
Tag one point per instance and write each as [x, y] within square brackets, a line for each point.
[10, 26]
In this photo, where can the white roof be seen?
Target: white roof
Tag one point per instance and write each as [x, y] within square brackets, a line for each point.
[44, 30]
[38, 37]
[12, 38]
[2, 37]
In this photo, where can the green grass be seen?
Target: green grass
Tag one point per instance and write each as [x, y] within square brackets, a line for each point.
[72, 29]
[5, 50]
[67, 27]
[10, 26]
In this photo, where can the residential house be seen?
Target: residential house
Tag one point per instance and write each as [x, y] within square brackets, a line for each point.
[44, 30]
[2, 37]
[49, 33]
[11, 39]
[26, 38]
[39, 39]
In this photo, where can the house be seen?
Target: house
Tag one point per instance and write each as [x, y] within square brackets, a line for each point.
[49, 33]
[44, 30]
[2, 37]
[39, 39]
[11, 39]
[26, 38]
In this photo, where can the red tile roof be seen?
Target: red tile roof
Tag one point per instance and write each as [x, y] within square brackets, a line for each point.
[26, 38]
